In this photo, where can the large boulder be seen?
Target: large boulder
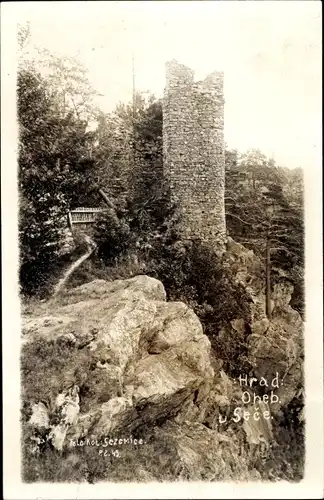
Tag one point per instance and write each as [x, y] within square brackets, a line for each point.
[125, 359]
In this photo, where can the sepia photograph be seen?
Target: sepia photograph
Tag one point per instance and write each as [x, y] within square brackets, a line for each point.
[165, 237]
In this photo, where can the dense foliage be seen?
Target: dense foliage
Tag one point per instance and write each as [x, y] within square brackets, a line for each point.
[264, 211]
[54, 175]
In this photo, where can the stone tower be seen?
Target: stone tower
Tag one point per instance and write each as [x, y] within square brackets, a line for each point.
[194, 152]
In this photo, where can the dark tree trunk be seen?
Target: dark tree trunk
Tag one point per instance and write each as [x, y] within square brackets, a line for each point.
[268, 278]
[106, 199]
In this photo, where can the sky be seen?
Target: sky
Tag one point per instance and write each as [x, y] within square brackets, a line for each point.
[270, 53]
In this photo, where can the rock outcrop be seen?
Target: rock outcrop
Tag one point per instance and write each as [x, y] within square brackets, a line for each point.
[145, 359]
[117, 362]
[275, 347]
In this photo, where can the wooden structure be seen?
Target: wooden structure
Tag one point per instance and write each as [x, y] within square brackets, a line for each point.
[82, 217]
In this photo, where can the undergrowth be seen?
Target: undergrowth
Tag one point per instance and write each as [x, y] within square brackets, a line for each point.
[60, 364]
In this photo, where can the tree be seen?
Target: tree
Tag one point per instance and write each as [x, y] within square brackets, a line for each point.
[54, 175]
[150, 192]
[114, 156]
[23, 35]
[260, 216]
[56, 169]
[70, 86]
[130, 169]
[130, 159]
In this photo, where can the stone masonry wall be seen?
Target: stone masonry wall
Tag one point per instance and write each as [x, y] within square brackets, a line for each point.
[194, 151]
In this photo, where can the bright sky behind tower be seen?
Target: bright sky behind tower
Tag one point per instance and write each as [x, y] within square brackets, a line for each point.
[269, 51]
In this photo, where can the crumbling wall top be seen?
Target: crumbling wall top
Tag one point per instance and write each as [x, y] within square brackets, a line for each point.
[179, 74]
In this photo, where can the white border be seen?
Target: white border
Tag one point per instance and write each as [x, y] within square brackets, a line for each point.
[310, 487]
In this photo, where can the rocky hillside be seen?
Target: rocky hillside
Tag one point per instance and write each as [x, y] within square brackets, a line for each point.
[119, 384]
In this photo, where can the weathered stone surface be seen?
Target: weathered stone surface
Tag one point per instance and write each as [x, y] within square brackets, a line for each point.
[203, 454]
[66, 412]
[238, 325]
[147, 357]
[275, 346]
[39, 417]
[258, 430]
[194, 151]
[260, 327]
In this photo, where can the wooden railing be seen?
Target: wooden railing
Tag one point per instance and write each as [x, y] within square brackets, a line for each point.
[84, 215]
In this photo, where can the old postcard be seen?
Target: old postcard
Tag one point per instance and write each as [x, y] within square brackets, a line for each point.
[162, 255]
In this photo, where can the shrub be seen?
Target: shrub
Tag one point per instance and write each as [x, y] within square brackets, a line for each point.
[194, 274]
[50, 358]
[113, 235]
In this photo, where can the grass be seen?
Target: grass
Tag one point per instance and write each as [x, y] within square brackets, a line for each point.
[94, 268]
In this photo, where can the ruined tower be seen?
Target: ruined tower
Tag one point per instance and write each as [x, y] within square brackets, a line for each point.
[194, 152]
